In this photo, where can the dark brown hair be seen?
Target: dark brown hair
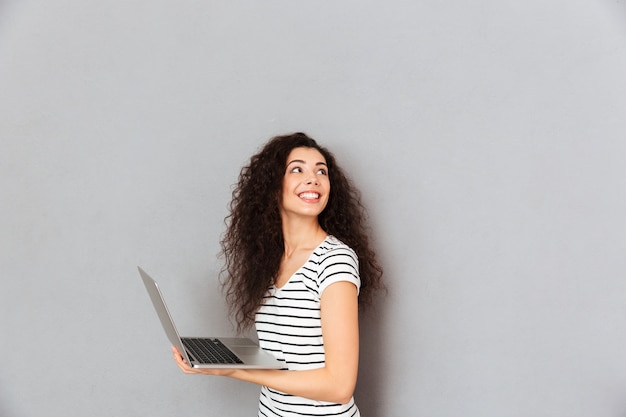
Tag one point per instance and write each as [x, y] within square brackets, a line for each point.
[252, 245]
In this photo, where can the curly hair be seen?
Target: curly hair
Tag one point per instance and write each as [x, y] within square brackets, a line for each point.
[252, 246]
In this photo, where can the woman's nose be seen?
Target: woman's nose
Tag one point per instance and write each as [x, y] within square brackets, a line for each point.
[311, 180]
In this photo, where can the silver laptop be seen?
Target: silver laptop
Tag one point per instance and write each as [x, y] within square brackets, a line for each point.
[209, 352]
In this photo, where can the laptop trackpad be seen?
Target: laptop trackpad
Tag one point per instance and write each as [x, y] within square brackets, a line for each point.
[243, 351]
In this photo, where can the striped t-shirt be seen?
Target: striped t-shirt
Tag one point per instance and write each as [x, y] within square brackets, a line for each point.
[288, 326]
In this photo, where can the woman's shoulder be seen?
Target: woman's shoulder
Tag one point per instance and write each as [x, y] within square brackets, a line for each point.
[333, 246]
[336, 262]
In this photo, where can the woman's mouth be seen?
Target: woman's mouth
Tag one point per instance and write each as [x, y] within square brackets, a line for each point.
[309, 195]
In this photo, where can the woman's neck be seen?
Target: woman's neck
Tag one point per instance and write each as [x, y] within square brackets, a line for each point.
[301, 234]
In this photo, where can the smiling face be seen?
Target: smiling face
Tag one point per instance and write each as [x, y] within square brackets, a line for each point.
[306, 185]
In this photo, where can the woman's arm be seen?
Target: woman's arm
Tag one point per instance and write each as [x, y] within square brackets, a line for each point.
[335, 382]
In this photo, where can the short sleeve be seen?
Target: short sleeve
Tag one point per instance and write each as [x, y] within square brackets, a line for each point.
[338, 264]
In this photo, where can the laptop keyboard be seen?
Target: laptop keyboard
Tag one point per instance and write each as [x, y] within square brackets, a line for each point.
[209, 351]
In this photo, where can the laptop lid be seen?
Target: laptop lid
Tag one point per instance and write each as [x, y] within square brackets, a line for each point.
[162, 311]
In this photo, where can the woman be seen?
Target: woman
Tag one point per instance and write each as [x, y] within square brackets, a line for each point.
[297, 265]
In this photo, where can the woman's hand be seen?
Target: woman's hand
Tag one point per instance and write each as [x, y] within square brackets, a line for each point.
[186, 368]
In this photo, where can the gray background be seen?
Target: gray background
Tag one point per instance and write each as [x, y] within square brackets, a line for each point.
[488, 138]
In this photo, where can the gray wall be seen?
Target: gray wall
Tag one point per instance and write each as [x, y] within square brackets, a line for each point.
[488, 138]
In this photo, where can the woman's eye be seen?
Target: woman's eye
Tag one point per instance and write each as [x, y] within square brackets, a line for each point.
[296, 169]
[322, 172]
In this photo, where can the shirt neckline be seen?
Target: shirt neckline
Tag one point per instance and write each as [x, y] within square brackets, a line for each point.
[275, 288]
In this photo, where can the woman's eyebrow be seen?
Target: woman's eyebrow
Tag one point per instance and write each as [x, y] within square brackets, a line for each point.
[304, 162]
